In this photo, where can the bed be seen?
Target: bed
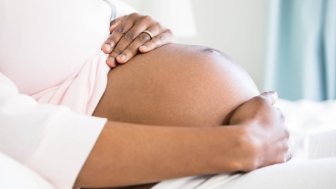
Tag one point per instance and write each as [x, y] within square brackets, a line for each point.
[15, 175]
[313, 128]
[313, 136]
[313, 147]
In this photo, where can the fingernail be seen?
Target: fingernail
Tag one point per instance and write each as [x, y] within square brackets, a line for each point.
[272, 96]
[107, 48]
[121, 58]
[111, 62]
[144, 48]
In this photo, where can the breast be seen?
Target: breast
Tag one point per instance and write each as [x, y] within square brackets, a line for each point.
[45, 41]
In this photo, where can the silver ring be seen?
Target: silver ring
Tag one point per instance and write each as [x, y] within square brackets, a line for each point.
[149, 33]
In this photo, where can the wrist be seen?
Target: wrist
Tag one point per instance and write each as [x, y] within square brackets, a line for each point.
[231, 151]
[245, 148]
[250, 146]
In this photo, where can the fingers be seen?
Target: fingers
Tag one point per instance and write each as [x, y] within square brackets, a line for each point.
[272, 131]
[287, 149]
[144, 23]
[270, 96]
[107, 46]
[157, 41]
[128, 38]
[111, 59]
[284, 153]
[283, 141]
[121, 27]
[135, 38]
[145, 39]
[121, 55]
[115, 23]
[132, 49]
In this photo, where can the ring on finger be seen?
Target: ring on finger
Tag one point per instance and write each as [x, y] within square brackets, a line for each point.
[150, 34]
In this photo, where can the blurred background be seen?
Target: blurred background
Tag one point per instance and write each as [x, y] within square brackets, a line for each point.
[285, 45]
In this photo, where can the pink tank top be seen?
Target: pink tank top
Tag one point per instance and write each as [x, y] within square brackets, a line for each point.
[51, 49]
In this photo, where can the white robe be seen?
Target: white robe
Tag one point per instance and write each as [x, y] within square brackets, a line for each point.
[52, 75]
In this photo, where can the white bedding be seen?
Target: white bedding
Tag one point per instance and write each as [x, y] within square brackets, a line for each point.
[313, 145]
[313, 127]
[14, 175]
[304, 117]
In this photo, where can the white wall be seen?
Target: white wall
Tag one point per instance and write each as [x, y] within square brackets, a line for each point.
[236, 27]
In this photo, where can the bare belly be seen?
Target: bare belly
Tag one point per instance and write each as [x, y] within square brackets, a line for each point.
[176, 85]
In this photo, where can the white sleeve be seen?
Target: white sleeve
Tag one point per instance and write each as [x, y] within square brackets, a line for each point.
[119, 8]
[51, 140]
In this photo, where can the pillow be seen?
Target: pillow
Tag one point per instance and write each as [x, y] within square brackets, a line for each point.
[16, 175]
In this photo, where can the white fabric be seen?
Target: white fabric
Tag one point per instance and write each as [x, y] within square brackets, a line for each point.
[52, 49]
[313, 145]
[43, 42]
[55, 142]
[52, 38]
[310, 174]
[49, 49]
[80, 91]
[14, 175]
[51, 140]
[119, 8]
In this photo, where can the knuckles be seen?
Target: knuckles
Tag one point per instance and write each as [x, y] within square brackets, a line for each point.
[120, 29]
[169, 31]
[134, 15]
[157, 24]
[146, 18]
[129, 36]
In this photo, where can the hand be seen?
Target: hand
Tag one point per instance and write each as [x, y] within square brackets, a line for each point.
[132, 34]
[266, 134]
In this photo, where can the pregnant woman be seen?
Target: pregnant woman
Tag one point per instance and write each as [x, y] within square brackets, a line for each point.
[175, 111]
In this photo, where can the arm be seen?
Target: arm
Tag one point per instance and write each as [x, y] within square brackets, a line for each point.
[129, 154]
[51, 140]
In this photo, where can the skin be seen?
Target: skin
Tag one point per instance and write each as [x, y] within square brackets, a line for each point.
[127, 38]
[166, 122]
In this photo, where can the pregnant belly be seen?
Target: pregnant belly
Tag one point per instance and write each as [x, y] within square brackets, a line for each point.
[44, 42]
[176, 85]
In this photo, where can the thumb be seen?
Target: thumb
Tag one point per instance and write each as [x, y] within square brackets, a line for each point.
[270, 96]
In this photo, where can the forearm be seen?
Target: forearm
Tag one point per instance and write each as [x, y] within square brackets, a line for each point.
[127, 154]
